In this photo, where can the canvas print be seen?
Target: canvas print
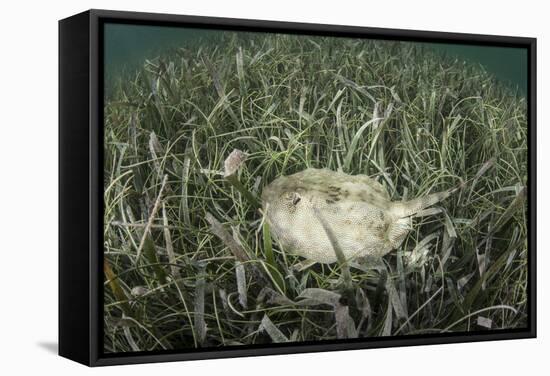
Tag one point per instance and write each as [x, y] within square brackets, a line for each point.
[270, 188]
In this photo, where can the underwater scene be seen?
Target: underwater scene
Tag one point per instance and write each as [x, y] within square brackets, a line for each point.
[266, 188]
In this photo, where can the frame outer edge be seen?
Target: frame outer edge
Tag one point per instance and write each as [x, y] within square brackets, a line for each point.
[532, 182]
[95, 194]
[74, 261]
[95, 288]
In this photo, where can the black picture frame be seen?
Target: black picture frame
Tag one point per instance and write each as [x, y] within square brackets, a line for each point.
[81, 190]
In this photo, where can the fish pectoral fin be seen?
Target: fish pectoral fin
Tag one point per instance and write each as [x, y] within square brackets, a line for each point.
[397, 231]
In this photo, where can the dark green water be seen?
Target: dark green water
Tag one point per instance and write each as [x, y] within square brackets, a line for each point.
[128, 46]
[509, 65]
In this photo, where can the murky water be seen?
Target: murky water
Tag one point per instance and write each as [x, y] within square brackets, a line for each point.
[507, 64]
[128, 46]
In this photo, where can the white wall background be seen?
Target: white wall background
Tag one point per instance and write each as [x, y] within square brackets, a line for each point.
[28, 185]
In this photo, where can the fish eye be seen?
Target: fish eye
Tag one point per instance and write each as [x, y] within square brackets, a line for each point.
[293, 197]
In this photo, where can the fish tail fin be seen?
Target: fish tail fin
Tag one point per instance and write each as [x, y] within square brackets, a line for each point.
[411, 207]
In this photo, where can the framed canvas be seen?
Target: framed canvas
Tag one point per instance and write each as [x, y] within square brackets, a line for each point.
[236, 187]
